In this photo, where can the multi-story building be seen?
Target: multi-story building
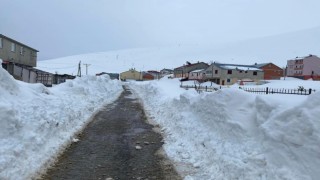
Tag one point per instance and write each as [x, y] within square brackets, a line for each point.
[227, 74]
[19, 59]
[307, 67]
[14, 52]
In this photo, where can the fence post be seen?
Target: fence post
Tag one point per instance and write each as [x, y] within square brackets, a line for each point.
[206, 89]
[310, 90]
[267, 90]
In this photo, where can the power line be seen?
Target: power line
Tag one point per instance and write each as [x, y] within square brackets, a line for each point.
[87, 65]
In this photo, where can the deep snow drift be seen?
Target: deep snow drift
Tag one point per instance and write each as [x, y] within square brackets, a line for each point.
[232, 134]
[36, 122]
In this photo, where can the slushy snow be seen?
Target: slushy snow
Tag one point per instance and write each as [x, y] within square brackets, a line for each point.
[36, 122]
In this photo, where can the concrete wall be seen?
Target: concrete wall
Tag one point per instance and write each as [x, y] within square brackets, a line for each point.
[311, 64]
[27, 56]
[221, 76]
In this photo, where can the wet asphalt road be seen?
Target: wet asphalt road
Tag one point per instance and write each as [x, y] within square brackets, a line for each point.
[107, 147]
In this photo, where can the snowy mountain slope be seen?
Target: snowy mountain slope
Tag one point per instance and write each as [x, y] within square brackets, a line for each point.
[277, 49]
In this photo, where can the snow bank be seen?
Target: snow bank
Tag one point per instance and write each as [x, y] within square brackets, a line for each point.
[232, 134]
[35, 121]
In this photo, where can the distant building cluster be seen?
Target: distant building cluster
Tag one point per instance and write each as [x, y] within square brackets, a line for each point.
[20, 61]
[305, 68]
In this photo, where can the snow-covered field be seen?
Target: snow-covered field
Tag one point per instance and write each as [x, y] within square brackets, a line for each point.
[37, 122]
[232, 134]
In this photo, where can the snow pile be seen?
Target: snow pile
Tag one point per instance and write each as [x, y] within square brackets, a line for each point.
[36, 122]
[232, 134]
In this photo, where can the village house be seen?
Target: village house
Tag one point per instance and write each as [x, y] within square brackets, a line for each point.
[132, 74]
[198, 75]
[155, 74]
[307, 67]
[271, 71]
[228, 74]
[183, 71]
[146, 76]
[19, 60]
[165, 72]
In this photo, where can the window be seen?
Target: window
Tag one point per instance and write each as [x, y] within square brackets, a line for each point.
[255, 73]
[0, 42]
[216, 71]
[240, 71]
[21, 50]
[230, 71]
[13, 47]
[228, 80]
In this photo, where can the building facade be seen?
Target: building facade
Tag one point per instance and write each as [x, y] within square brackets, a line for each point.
[12, 51]
[165, 72]
[271, 71]
[183, 71]
[228, 74]
[132, 74]
[307, 67]
[198, 75]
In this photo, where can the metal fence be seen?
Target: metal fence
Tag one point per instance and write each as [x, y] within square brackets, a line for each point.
[201, 88]
[298, 91]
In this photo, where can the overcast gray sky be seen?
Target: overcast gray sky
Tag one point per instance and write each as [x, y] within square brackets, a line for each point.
[60, 28]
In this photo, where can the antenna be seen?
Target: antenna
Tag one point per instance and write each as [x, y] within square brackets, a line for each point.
[79, 70]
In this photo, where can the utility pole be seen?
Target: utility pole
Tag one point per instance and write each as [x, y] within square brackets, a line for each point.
[79, 70]
[87, 65]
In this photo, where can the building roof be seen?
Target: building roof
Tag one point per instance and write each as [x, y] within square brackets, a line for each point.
[198, 70]
[261, 65]
[3, 36]
[164, 69]
[152, 71]
[189, 65]
[238, 66]
[304, 57]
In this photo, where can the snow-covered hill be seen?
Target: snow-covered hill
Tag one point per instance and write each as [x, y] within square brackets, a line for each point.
[277, 49]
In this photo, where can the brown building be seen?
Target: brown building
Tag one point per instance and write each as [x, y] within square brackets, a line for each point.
[271, 71]
[147, 76]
